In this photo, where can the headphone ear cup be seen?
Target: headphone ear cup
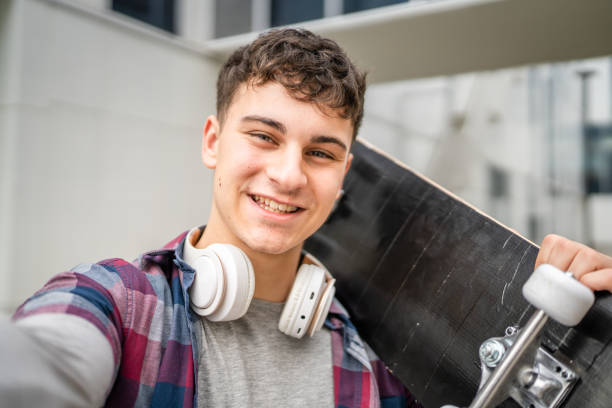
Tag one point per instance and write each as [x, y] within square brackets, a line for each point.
[206, 291]
[239, 283]
[223, 284]
[323, 307]
[302, 301]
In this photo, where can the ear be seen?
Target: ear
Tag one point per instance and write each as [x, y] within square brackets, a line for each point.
[210, 142]
[349, 160]
[348, 163]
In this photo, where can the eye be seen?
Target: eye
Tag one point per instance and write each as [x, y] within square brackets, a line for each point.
[321, 154]
[263, 137]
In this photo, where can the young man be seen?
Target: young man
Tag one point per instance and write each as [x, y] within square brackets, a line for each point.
[120, 334]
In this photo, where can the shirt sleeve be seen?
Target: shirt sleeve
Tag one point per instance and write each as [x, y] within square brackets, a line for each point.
[59, 359]
[65, 342]
[96, 293]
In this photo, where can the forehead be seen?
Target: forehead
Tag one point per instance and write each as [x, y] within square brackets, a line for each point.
[274, 101]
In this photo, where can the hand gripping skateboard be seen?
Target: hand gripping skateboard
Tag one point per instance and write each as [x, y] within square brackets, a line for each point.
[428, 278]
[514, 366]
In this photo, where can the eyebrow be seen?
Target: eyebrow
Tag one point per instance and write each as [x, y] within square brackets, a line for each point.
[266, 121]
[281, 128]
[329, 139]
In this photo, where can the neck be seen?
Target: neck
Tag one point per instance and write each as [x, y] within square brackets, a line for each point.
[274, 273]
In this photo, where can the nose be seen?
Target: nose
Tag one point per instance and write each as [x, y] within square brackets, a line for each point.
[286, 171]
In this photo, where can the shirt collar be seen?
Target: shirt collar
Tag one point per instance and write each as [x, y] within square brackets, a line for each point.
[174, 251]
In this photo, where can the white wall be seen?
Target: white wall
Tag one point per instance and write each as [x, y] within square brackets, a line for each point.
[100, 127]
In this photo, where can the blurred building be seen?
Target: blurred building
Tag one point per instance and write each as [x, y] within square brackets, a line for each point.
[506, 103]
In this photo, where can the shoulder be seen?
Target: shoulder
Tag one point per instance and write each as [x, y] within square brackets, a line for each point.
[107, 282]
[113, 294]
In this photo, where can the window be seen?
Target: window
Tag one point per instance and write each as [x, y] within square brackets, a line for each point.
[598, 159]
[498, 182]
[241, 16]
[351, 6]
[159, 13]
[232, 17]
[294, 11]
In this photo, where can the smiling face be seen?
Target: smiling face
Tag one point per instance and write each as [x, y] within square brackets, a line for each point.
[279, 165]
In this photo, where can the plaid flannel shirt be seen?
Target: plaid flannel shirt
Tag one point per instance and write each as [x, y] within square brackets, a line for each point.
[142, 308]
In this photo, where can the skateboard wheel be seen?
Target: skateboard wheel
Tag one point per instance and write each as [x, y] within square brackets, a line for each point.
[558, 294]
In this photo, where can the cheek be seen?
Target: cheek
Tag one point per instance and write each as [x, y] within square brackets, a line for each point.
[240, 163]
[328, 191]
[246, 166]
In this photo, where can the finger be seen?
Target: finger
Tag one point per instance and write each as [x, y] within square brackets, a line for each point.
[586, 260]
[598, 280]
[558, 251]
[547, 243]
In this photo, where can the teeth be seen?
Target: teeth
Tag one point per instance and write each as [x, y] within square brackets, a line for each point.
[271, 205]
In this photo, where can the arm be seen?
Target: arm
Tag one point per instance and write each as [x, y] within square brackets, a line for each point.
[59, 359]
[65, 344]
[590, 267]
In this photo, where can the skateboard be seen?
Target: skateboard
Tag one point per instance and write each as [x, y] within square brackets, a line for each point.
[435, 287]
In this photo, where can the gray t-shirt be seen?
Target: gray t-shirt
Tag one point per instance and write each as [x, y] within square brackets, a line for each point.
[249, 363]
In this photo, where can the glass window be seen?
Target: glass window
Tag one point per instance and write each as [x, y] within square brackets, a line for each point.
[159, 13]
[351, 6]
[598, 159]
[294, 11]
[498, 182]
[232, 17]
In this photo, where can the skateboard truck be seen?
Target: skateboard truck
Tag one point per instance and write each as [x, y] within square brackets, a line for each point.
[534, 377]
[514, 365]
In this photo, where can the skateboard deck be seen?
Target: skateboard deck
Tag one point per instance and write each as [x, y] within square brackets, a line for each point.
[427, 278]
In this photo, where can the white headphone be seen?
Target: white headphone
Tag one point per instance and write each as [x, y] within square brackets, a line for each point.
[224, 283]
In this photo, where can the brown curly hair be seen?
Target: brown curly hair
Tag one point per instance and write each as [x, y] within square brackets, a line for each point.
[312, 68]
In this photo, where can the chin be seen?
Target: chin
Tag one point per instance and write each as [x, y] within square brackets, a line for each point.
[275, 247]
[271, 249]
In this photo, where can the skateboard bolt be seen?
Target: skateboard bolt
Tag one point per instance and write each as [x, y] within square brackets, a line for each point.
[491, 352]
[511, 330]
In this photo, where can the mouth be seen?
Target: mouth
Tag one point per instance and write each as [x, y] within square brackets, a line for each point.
[273, 206]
